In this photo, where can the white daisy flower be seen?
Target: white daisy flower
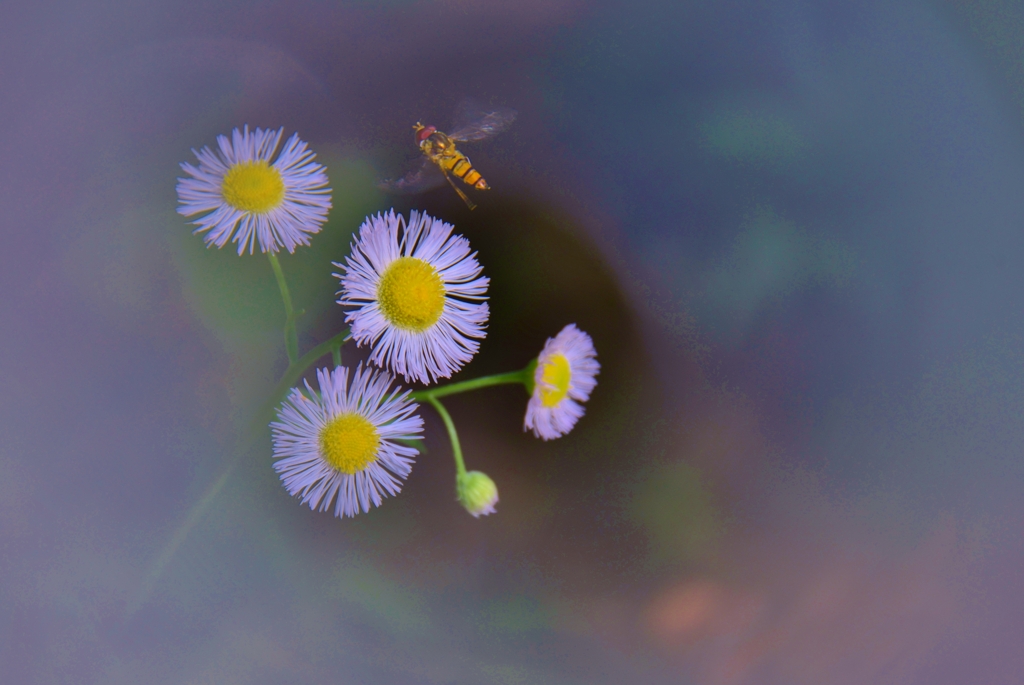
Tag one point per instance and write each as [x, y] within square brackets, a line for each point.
[565, 377]
[337, 449]
[250, 200]
[418, 293]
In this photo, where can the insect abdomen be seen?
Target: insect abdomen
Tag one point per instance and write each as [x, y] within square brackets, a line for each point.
[467, 174]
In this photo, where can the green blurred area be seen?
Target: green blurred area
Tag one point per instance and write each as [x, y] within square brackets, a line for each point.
[514, 616]
[770, 258]
[999, 26]
[678, 513]
[380, 601]
[755, 138]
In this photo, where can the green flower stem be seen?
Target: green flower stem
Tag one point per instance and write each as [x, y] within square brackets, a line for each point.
[291, 337]
[523, 376]
[460, 466]
[336, 356]
[294, 372]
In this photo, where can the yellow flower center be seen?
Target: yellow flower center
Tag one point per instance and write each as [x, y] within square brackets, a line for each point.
[555, 378]
[411, 294]
[253, 187]
[349, 443]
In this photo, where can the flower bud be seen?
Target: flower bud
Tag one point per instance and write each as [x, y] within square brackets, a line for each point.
[477, 493]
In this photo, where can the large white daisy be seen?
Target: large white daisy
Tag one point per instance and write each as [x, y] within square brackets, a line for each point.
[566, 375]
[418, 295]
[337, 448]
[248, 199]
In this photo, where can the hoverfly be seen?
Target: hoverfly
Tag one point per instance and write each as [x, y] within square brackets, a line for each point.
[442, 160]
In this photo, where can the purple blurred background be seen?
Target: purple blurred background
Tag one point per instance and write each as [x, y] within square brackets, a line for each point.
[793, 229]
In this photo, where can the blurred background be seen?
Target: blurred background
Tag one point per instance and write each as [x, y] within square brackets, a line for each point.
[793, 229]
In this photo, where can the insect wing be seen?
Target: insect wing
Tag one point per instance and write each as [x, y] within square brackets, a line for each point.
[475, 121]
[422, 177]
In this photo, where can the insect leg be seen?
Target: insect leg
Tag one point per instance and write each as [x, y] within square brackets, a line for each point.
[458, 190]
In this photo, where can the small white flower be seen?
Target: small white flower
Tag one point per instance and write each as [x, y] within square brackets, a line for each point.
[250, 200]
[565, 377]
[418, 293]
[337, 449]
